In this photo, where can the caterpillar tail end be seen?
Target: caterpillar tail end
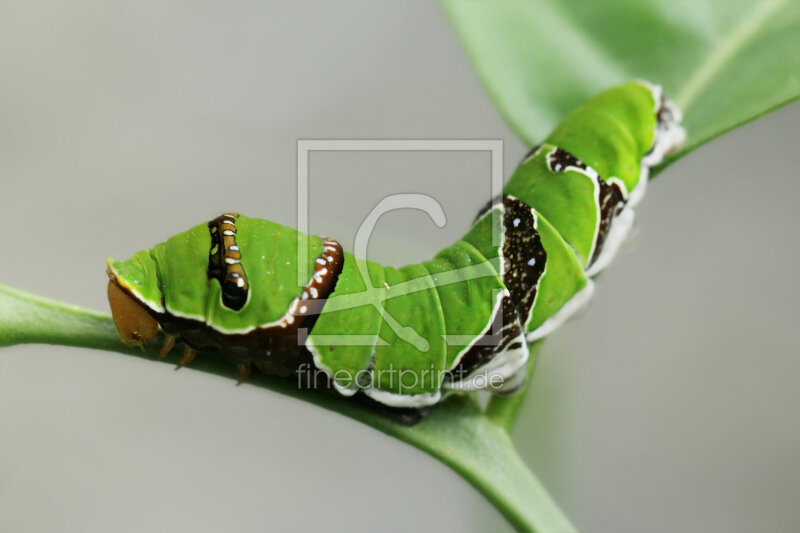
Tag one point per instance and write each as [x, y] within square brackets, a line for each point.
[670, 135]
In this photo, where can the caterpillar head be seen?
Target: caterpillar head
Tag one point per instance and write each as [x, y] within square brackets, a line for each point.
[134, 324]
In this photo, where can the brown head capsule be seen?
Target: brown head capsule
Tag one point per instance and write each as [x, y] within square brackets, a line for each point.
[134, 323]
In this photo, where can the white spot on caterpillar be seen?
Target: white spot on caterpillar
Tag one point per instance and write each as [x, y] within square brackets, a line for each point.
[303, 309]
[229, 232]
[531, 261]
[231, 260]
[516, 222]
[320, 261]
[304, 296]
[314, 292]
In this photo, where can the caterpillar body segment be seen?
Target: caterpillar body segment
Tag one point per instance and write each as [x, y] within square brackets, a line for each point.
[405, 337]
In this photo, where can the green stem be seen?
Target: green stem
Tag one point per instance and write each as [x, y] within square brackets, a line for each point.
[463, 437]
[504, 410]
[457, 432]
[27, 318]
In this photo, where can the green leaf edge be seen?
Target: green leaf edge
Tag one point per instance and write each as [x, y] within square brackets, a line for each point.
[693, 142]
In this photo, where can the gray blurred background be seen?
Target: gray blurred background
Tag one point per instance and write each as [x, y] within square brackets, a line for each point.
[671, 406]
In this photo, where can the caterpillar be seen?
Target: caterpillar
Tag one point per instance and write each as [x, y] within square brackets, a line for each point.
[406, 337]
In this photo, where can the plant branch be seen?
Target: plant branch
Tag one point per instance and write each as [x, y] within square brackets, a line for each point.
[457, 432]
[503, 411]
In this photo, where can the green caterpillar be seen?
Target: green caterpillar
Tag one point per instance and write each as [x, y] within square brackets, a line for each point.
[405, 336]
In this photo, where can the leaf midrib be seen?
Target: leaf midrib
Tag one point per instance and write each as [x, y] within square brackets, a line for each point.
[726, 49]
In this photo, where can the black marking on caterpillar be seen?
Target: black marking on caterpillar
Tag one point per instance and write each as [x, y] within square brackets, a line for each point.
[611, 202]
[610, 199]
[559, 160]
[525, 258]
[224, 261]
[274, 349]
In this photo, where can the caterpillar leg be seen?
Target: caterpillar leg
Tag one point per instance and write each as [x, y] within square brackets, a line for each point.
[189, 354]
[244, 372]
[514, 383]
[169, 343]
[405, 416]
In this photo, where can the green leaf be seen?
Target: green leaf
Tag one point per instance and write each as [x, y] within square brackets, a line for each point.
[724, 62]
[457, 432]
